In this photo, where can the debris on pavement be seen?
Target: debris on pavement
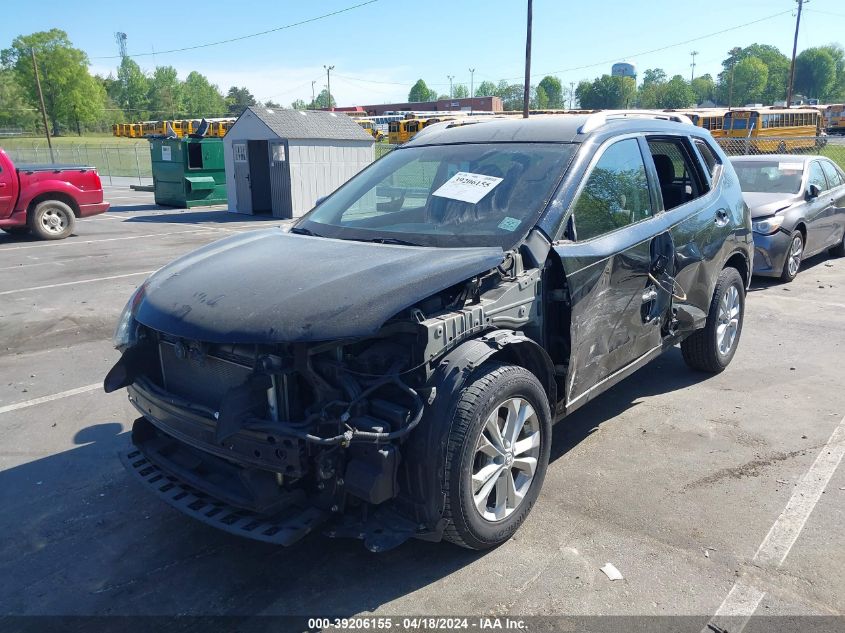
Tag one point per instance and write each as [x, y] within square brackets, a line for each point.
[611, 572]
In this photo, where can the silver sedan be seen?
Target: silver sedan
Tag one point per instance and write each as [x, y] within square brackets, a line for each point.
[797, 208]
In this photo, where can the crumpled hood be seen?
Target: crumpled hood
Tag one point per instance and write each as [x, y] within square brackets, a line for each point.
[762, 204]
[270, 286]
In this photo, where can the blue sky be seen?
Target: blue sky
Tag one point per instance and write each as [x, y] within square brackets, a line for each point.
[380, 49]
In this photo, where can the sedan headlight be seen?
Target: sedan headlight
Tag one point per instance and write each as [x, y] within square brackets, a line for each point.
[767, 226]
[126, 332]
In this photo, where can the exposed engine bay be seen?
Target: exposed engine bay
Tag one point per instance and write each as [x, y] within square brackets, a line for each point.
[288, 435]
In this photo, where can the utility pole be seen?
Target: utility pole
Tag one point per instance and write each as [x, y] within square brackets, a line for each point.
[526, 95]
[571, 93]
[451, 77]
[41, 100]
[329, 70]
[692, 65]
[313, 98]
[794, 50]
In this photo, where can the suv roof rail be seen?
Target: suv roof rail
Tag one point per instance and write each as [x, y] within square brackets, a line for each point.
[600, 118]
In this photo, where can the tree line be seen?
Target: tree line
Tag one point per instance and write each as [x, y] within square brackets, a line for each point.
[77, 101]
[758, 73]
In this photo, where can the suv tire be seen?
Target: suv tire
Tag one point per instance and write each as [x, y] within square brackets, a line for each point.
[51, 220]
[705, 350]
[496, 481]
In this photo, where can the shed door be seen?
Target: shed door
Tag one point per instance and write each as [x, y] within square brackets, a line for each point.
[243, 192]
[280, 180]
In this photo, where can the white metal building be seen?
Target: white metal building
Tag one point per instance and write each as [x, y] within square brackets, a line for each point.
[281, 161]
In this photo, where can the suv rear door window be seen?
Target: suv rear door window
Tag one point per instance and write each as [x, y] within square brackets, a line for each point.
[616, 193]
[679, 177]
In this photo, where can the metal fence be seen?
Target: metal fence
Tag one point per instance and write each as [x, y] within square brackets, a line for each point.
[129, 161]
[831, 146]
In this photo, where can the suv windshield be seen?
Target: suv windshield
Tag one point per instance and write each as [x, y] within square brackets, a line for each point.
[486, 194]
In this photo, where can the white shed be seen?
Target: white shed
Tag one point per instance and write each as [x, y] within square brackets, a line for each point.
[281, 161]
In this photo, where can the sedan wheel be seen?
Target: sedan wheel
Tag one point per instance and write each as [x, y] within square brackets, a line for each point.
[793, 258]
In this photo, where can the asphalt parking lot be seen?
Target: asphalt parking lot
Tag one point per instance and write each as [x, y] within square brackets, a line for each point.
[709, 494]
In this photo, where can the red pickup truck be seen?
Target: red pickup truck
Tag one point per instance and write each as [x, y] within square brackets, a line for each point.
[47, 199]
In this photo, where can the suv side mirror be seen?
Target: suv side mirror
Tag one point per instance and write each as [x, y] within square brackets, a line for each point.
[813, 191]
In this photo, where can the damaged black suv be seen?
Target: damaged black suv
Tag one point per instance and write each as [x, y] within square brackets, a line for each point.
[390, 366]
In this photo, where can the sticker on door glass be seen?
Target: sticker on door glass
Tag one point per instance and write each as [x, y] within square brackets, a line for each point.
[510, 224]
[467, 187]
[790, 166]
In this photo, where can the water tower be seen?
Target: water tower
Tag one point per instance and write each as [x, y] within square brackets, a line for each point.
[624, 69]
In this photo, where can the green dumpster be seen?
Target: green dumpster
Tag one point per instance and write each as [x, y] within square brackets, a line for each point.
[188, 172]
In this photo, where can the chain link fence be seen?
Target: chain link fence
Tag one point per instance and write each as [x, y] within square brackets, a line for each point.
[129, 161]
[831, 146]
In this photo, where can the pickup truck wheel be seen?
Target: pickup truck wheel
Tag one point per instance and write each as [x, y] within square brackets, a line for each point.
[51, 220]
[496, 456]
[712, 348]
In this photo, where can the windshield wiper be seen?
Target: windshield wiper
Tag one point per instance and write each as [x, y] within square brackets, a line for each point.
[391, 240]
[298, 230]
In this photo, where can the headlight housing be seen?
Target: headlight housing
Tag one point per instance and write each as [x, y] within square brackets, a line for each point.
[126, 332]
[767, 226]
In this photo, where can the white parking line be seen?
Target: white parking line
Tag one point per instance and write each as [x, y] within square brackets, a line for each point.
[55, 396]
[73, 283]
[743, 599]
[108, 239]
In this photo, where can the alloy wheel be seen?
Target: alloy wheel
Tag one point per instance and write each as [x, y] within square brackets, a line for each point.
[729, 313]
[794, 257]
[53, 221]
[505, 459]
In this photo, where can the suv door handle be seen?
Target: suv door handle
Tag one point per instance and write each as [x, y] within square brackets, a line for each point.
[721, 217]
[649, 294]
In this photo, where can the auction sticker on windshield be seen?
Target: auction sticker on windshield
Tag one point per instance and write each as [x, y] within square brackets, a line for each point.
[467, 187]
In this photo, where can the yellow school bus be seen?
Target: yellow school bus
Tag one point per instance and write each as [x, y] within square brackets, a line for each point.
[370, 126]
[769, 130]
[116, 129]
[403, 131]
[712, 119]
[219, 127]
[835, 118]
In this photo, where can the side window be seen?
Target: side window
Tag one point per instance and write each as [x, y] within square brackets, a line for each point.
[816, 176]
[709, 156]
[678, 173]
[833, 176]
[615, 194]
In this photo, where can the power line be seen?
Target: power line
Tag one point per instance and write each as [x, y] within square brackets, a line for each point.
[244, 37]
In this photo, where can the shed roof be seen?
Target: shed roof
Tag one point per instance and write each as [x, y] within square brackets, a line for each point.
[310, 124]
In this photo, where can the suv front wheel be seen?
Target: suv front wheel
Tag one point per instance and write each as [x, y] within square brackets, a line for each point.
[497, 455]
[712, 348]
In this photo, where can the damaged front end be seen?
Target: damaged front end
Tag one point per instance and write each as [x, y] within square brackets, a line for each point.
[273, 440]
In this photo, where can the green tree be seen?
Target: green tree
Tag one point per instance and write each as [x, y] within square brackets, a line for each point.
[15, 110]
[815, 72]
[607, 92]
[299, 104]
[751, 76]
[676, 93]
[202, 98]
[511, 95]
[553, 90]
[485, 89]
[836, 94]
[654, 76]
[238, 100]
[322, 101]
[421, 92]
[460, 91]
[704, 88]
[777, 65]
[540, 99]
[133, 89]
[165, 96]
[71, 95]
[272, 104]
